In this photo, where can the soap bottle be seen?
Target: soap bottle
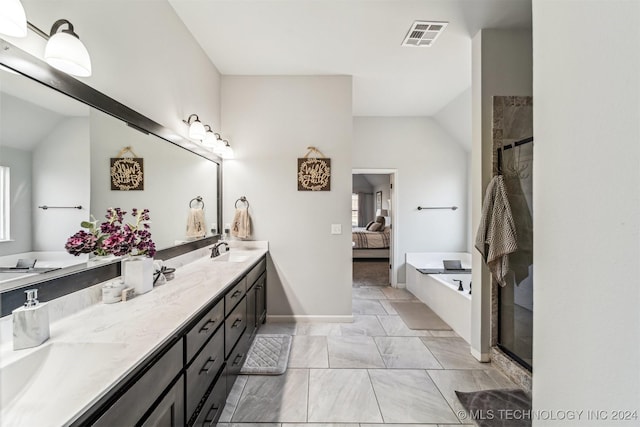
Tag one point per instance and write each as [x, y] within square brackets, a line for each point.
[30, 322]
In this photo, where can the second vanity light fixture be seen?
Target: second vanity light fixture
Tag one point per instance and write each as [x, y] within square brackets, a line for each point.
[207, 137]
[64, 49]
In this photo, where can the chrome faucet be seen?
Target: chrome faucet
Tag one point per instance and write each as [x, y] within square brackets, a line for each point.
[215, 250]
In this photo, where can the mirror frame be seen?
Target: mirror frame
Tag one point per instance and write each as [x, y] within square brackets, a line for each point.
[35, 69]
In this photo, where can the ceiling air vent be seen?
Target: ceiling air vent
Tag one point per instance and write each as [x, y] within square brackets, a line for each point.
[424, 33]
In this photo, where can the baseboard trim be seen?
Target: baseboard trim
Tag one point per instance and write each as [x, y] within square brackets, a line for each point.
[296, 318]
[481, 357]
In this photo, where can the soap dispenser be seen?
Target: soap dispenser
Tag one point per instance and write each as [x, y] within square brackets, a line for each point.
[30, 322]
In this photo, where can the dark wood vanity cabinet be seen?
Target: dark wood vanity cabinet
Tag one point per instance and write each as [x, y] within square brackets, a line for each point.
[188, 382]
[152, 385]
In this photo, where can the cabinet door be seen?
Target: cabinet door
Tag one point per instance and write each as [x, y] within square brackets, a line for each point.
[251, 311]
[170, 411]
[261, 299]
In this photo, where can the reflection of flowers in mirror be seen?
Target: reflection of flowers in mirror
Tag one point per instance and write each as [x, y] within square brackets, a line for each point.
[114, 236]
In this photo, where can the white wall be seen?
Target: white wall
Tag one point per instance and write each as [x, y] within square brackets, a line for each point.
[455, 117]
[21, 202]
[501, 65]
[152, 65]
[270, 121]
[431, 169]
[586, 331]
[61, 166]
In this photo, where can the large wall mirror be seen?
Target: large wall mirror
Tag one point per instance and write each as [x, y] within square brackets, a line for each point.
[55, 151]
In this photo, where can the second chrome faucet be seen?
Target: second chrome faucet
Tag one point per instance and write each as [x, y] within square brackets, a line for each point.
[215, 250]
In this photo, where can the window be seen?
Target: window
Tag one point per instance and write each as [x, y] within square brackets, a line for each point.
[354, 210]
[4, 203]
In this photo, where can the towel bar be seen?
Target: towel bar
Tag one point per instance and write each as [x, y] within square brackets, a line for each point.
[45, 207]
[453, 208]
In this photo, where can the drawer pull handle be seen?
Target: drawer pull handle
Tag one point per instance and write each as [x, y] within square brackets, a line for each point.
[259, 287]
[208, 420]
[236, 323]
[238, 358]
[206, 369]
[236, 293]
[204, 327]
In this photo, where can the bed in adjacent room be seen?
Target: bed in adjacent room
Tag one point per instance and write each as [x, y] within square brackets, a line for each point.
[371, 244]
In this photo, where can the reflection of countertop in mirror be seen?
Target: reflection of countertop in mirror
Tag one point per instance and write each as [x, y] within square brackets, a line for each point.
[93, 349]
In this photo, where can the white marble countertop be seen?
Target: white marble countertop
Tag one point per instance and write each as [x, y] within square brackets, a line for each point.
[90, 351]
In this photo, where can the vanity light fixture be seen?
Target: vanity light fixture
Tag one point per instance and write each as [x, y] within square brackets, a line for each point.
[209, 137]
[66, 52]
[219, 144]
[13, 20]
[226, 152]
[64, 49]
[196, 128]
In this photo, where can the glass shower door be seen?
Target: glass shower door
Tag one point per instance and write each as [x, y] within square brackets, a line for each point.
[515, 300]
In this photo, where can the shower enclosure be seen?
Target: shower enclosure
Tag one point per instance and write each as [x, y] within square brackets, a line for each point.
[515, 300]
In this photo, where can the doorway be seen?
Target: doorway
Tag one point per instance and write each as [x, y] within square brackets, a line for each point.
[374, 250]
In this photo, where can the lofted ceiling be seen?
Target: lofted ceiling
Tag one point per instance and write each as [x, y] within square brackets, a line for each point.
[360, 38]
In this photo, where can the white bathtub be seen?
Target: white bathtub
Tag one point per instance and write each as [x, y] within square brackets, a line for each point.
[48, 259]
[439, 291]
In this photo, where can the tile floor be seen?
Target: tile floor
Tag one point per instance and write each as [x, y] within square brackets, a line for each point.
[372, 371]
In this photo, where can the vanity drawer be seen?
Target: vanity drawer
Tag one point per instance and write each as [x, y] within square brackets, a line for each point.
[234, 295]
[255, 272]
[234, 325]
[212, 408]
[199, 334]
[203, 370]
[236, 360]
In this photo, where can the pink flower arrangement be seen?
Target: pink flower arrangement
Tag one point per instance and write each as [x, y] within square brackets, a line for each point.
[114, 236]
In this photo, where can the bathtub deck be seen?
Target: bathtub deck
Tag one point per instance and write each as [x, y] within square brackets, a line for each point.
[443, 271]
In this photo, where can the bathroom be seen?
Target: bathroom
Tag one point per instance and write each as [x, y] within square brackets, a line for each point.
[183, 81]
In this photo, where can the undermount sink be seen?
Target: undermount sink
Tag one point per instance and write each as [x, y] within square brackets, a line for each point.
[232, 257]
[26, 380]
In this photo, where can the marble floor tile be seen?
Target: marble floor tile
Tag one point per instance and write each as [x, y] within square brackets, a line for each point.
[406, 425]
[448, 381]
[410, 396]
[342, 396]
[322, 425]
[406, 353]
[452, 353]
[308, 352]
[354, 352]
[274, 398]
[232, 399]
[367, 306]
[397, 293]
[319, 329]
[368, 325]
[367, 292]
[248, 424]
[386, 304]
[278, 328]
[395, 327]
[447, 334]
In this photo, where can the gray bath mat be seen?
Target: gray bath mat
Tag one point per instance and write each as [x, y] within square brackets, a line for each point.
[268, 355]
[497, 408]
[419, 316]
